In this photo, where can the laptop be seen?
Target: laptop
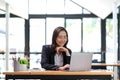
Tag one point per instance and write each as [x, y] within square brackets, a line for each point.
[80, 62]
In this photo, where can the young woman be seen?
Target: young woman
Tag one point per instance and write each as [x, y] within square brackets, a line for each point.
[56, 56]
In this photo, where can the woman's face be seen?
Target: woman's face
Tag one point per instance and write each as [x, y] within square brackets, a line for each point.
[61, 39]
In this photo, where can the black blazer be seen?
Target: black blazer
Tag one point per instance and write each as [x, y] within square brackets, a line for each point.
[47, 57]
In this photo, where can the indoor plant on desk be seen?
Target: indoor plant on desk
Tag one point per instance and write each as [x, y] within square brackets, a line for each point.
[20, 64]
[24, 61]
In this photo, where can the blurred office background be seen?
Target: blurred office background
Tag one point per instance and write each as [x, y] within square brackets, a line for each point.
[87, 32]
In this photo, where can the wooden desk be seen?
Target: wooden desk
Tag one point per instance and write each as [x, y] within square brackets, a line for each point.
[105, 64]
[115, 65]
[59, 75]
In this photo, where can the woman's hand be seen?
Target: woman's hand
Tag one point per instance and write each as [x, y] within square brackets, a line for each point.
[67, 66]
[62, 49]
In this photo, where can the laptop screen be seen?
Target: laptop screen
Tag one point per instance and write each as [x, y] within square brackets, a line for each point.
[80, 61]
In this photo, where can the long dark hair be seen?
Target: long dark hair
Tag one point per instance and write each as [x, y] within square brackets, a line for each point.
[56, 33]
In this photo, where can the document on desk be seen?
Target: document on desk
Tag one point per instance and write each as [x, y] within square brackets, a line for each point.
[99, 70]
[37, 69]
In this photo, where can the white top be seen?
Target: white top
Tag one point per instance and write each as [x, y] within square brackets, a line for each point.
[58, 59]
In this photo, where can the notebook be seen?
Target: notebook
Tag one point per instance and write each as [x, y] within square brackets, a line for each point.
[80, 62]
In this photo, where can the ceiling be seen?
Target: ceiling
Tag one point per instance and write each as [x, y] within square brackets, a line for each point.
[101, 8]
[17, 7]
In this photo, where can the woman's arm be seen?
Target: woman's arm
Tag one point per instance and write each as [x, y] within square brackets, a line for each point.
[46, 57]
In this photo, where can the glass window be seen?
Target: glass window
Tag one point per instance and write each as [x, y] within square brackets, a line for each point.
[37, 34]
[2, 34]
[73, 27]
[52, 23]
[35, 60]
[16, 32]
[109, 41]
[16, 38]
[91, 35]
[2, 45]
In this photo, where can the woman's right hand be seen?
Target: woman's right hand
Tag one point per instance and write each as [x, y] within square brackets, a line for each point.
[60, 68]
[67, 66]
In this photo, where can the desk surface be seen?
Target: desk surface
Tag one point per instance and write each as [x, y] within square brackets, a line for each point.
[54, 75]
[17, 73]
[73, 73]
[105, 64]
[92, 72]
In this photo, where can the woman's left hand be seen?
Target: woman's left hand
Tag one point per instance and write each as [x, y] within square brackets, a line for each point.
[62, 49]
